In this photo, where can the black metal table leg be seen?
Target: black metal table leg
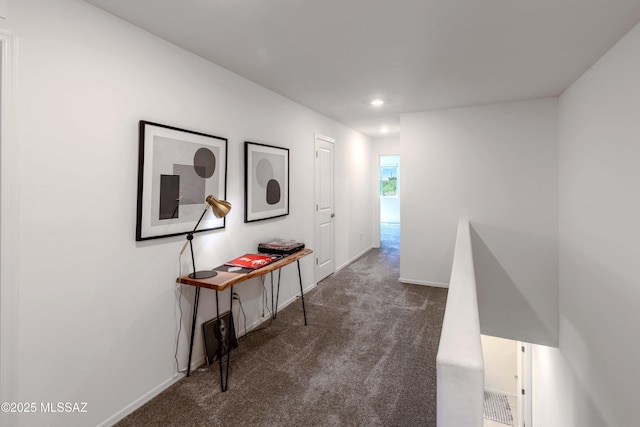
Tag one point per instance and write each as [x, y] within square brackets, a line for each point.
[273, 308]
[193, 327]
[304, 312]
[224, 381]
[275, 311]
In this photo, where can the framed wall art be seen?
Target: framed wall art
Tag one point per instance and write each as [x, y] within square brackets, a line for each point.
[266, 180]
[215, 333]
[177, 170]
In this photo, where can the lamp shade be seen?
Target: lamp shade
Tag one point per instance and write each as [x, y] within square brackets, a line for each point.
[220, 207]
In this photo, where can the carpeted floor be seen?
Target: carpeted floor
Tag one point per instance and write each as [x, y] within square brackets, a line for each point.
[366, 358]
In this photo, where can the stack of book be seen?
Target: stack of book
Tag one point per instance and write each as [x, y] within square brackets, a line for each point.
[280, 247]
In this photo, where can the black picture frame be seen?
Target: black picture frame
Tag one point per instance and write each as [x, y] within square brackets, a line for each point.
[266, 181]
[177, 169]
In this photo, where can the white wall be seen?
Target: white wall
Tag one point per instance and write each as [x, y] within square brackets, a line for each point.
[97, 313]
[497, 166]
[592, 380]
[500, 364]
[354, 203]
[386, 146]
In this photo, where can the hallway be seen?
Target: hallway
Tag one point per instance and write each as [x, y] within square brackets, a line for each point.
[367, 357]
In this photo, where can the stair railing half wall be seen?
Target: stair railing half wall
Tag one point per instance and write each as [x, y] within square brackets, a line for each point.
[459, 363]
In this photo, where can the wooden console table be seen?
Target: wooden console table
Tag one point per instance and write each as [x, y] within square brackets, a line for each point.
[226, 279]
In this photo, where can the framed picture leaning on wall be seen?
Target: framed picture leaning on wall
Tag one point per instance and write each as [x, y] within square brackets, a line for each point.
[266, 180]
[177, 170]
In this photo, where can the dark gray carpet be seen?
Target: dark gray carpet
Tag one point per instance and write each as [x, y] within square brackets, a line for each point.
[366, 358]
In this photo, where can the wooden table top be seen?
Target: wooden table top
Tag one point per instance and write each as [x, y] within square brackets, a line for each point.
[226, 279]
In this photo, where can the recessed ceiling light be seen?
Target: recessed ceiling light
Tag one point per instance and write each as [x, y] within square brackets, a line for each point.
[377, 102]
[384, 129]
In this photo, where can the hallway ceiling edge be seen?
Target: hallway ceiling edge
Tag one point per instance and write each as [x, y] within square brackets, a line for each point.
[336, 56]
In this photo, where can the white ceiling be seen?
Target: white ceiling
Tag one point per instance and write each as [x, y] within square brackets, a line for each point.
[334, 56]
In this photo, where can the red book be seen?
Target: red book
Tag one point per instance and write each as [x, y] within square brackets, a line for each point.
[252, 261]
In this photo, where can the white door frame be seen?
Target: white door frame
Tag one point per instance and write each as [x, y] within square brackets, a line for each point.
[316, 196]
[524, 385]
[9, 220]
[376, 198]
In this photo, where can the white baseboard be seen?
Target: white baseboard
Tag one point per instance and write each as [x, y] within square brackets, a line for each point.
[423, 283]
[353, 259]
[129, 409]
[118, 416]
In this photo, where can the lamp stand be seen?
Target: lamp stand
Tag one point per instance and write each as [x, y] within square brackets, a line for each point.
[205, 274]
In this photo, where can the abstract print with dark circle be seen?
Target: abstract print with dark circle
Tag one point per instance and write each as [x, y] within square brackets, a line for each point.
[264, 176]
[204, 162]
[273, 192]
[186, 186]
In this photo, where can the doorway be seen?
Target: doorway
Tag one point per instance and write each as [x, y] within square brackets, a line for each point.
[389, 198]
[507, 375]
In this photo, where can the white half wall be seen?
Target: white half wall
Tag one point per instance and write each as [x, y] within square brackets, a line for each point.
[497, 166]
[459, 362]
[592, 380]
[98, 314]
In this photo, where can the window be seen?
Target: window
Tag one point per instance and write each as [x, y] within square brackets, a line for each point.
[389, 181]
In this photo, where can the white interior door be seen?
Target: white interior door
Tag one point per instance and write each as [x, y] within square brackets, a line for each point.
[524, 384]
[324, 217]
